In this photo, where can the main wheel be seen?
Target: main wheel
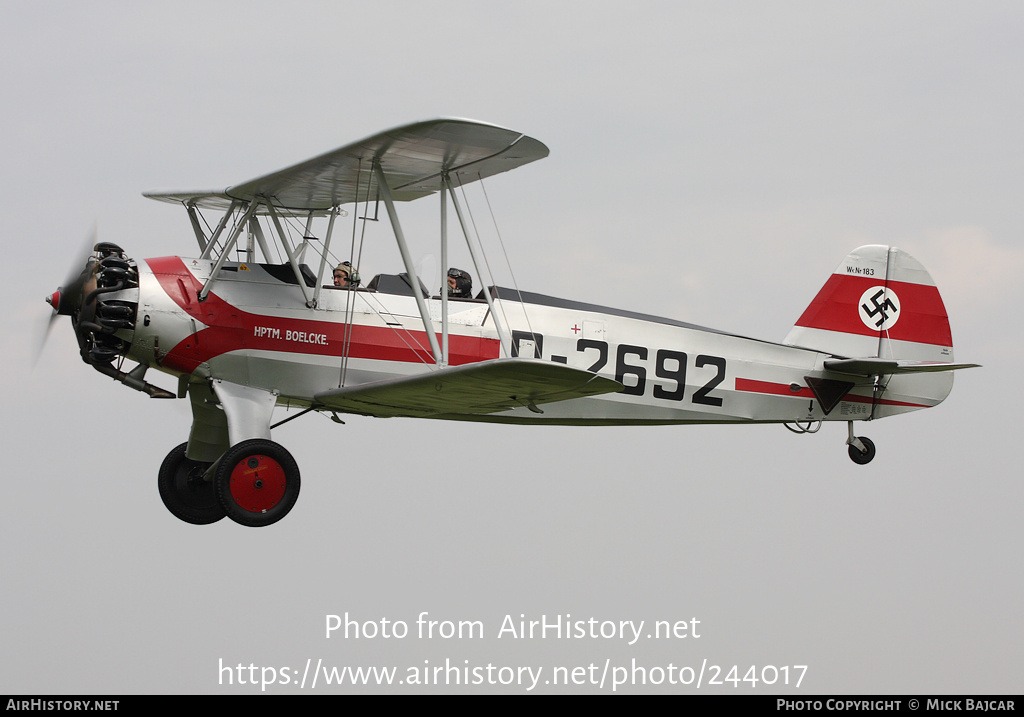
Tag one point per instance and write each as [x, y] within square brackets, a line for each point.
[862, 457]
[183, 490]
[256, 482]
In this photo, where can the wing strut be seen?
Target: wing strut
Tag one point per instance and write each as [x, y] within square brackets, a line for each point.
[257, 231]
[212, 244]
[502, 335]
[385, 192]
[291, 254]
[244, 221]
[196, 227]
[444, 271]
[227, 250]
[323, 257]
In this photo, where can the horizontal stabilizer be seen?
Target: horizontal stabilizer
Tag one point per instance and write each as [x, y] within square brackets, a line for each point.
[880, 367]
[476, 388]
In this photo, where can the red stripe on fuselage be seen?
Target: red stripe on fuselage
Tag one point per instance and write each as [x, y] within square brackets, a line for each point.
[231, 329]
[777, 389]
[837, 308]
[750, 385]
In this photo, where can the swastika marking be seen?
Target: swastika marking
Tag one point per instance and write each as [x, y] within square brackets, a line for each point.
[879, 308]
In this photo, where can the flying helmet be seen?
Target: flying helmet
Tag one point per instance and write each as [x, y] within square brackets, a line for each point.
[353, 275]
[463, 283]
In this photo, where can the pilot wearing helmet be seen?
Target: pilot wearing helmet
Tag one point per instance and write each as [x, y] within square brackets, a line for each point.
[460, 284]
[345, 277]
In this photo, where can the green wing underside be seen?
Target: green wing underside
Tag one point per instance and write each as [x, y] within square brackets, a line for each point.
[478, 388]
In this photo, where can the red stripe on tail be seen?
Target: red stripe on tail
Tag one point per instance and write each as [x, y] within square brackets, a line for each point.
[837, 307]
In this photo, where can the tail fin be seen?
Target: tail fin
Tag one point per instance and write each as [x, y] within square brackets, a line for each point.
[880, 302]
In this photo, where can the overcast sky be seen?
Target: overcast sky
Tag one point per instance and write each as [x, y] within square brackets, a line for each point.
[710, 162]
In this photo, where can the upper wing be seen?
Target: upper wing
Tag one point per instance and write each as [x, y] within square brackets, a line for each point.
[484, 387]
[412, 157]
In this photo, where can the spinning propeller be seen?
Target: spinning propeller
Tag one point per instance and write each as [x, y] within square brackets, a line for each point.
[67, 299]
[100, 294]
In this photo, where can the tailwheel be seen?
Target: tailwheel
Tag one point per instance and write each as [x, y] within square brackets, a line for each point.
[862, 457]
[256, 482]
[183, 490]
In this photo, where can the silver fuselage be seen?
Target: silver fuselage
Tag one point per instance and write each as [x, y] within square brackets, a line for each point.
[254, 329]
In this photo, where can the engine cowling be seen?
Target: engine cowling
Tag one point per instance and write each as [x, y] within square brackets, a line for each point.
[105, 319]
[103, 303]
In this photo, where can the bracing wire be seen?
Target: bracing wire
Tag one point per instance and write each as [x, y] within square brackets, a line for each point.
[199, 212]
[349, 303]
[487, 264]
[355, 258]
[501, 243]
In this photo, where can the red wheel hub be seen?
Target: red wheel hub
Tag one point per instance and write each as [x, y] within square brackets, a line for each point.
[258, 483]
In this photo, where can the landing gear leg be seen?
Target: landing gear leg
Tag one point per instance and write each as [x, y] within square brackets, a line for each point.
[256, 482]
[183, 490]
[861, 449]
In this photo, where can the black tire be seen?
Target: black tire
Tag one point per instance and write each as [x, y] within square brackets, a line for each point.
[862, 457]
[257, 482]
[184, 492]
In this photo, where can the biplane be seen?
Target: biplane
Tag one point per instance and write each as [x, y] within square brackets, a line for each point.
[253, 322]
